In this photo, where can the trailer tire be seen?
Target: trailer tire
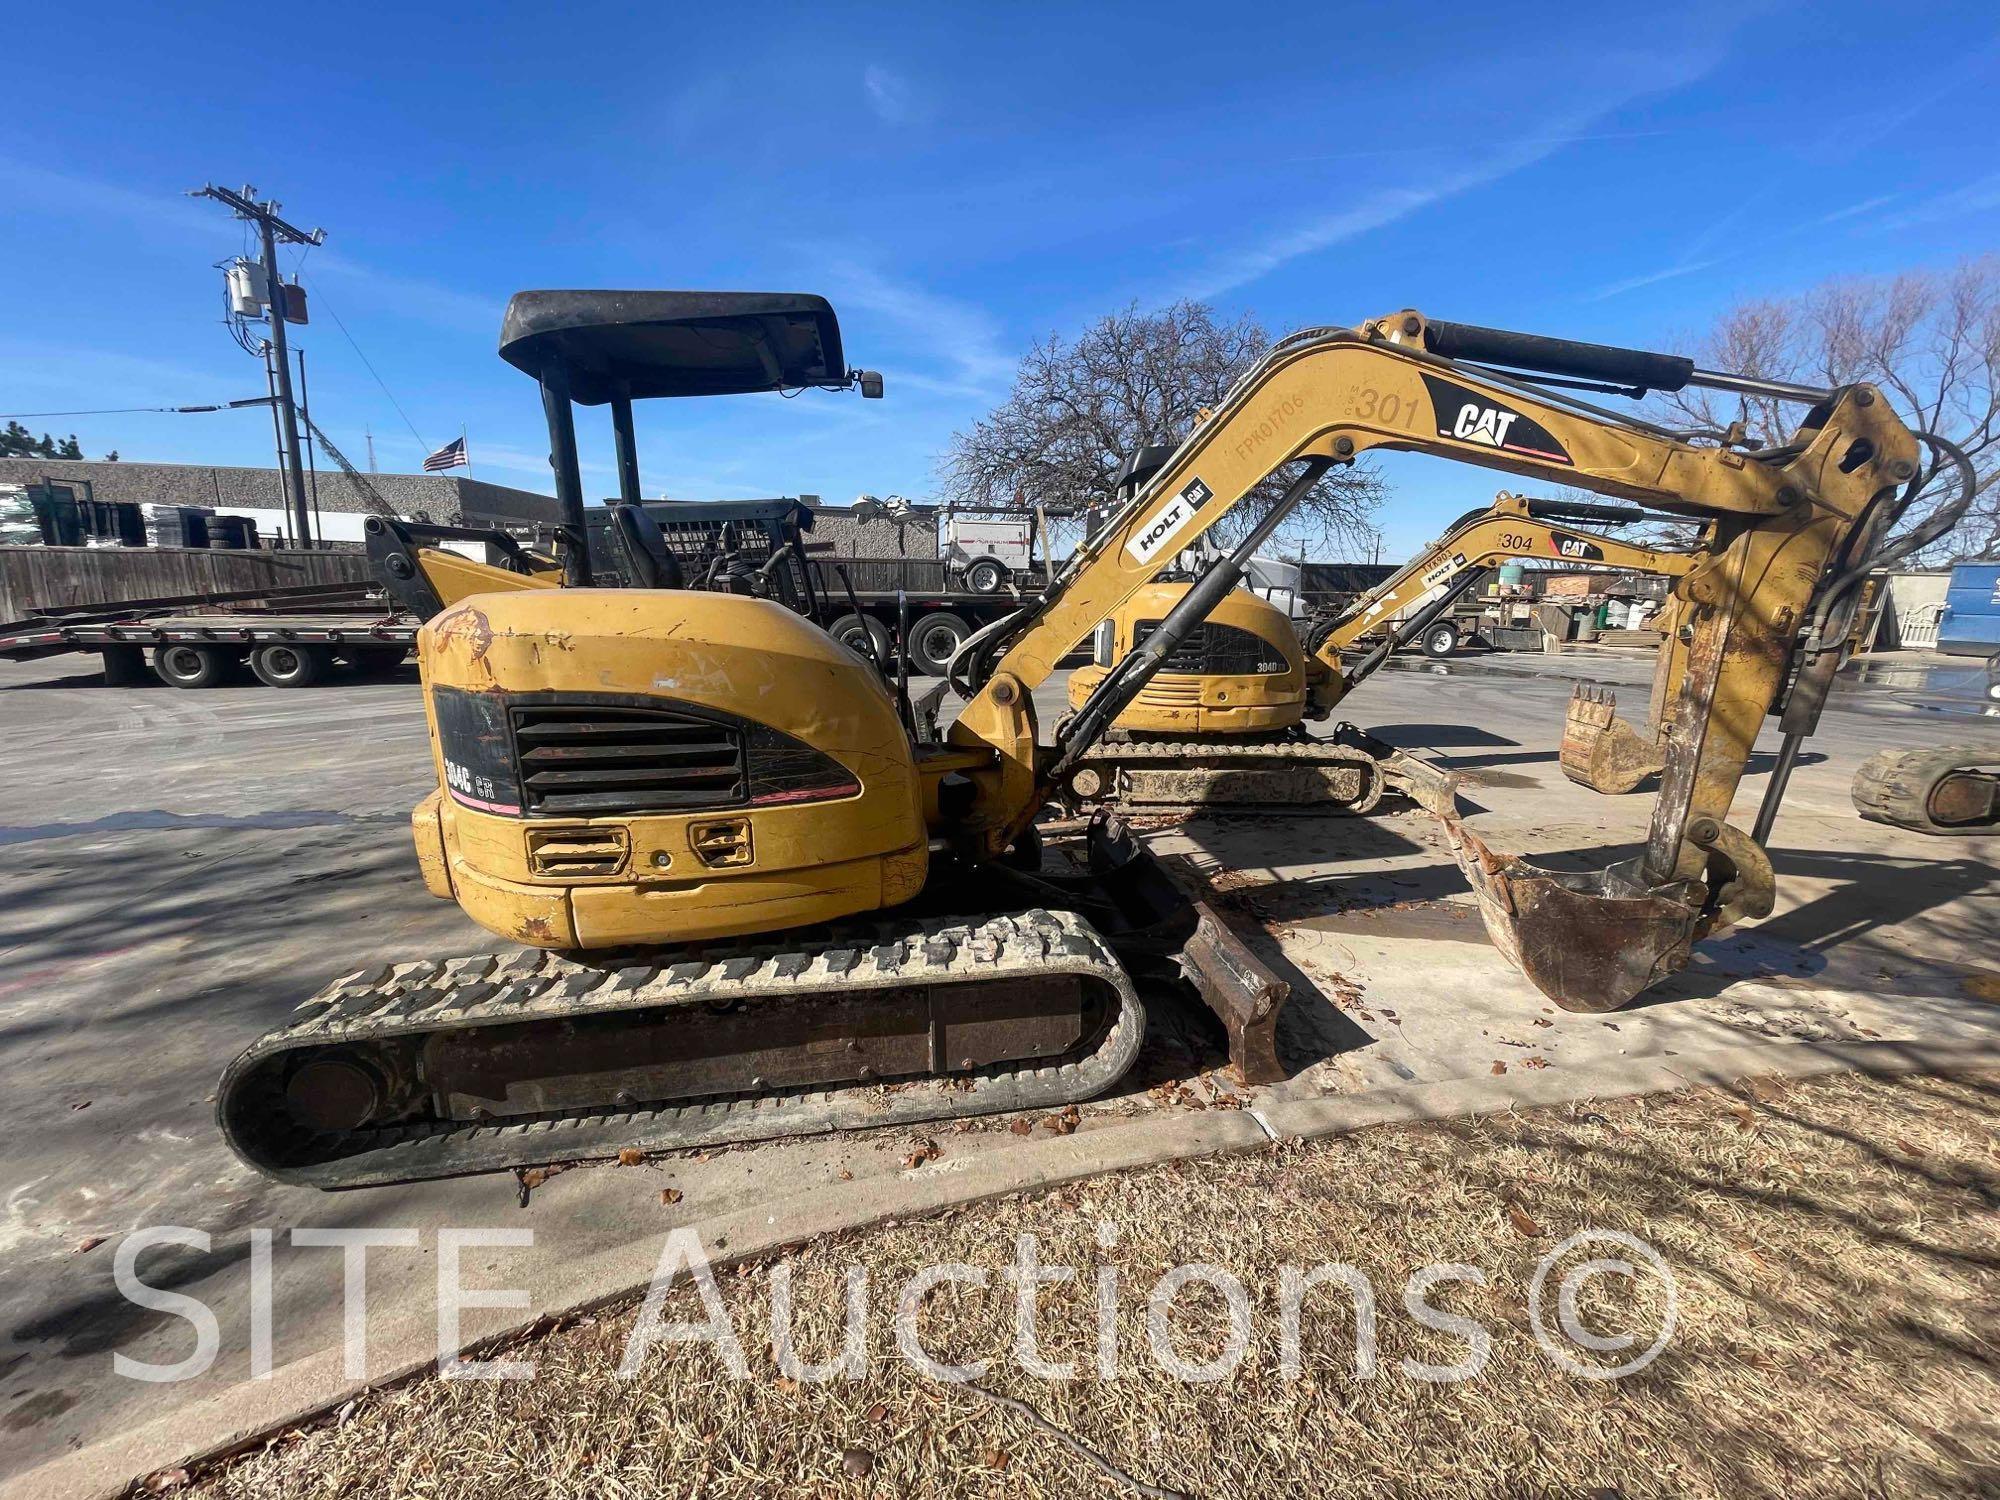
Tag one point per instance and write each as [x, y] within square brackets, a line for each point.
[986, 575]
[282, 664]
[934, 641]
[850, 630]
[1440, 639]
[181, 665]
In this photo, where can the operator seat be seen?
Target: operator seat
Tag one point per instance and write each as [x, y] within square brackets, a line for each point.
[649, 562]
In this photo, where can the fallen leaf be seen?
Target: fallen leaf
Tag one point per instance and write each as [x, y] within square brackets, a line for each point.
[845, 1175]
[1534, 1062]
[1543, 1021]
[1518, 1217]
[1064, 1123]
[1746, 1118]
[89, 1242]
[81, 1104]
[1023, 1127]
[924, 1151]
[670, 1195]
[1498, 1066]
[1908, 1148]
[630, 1156]
[997, 1458]
[787, 1384]
[165, 1480]
[878, 1413]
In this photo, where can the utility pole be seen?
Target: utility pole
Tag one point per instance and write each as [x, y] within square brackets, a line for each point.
[273, 230]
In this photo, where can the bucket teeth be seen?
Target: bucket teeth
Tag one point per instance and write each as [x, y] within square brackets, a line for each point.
[1599, 749]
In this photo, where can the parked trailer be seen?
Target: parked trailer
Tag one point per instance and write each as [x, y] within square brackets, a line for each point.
[285, 637]
[761, 547]
[932, 625]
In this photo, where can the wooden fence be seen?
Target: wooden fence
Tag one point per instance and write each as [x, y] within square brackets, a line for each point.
[44, 577]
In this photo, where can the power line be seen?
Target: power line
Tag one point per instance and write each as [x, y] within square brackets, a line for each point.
[363, 358]
[119, 411]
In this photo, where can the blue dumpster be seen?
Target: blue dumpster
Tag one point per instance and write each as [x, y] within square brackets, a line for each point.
[1970, 625]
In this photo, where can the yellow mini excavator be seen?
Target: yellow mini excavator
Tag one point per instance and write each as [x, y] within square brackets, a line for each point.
[747, 894]
[1222, 721]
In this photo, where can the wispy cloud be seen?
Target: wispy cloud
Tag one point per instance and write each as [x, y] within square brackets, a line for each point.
[890, 95]
[173, 213]
[1389, 205]
[1852, 211]
[85, 197]
[1977, 197]
[409, 297]
[961, 341]
[1443, 147]
[1650, 278]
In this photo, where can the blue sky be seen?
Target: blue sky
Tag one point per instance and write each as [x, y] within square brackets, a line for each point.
[959, 181]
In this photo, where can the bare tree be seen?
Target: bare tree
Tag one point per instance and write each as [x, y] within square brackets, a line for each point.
[1079, 407]
[1929, 339]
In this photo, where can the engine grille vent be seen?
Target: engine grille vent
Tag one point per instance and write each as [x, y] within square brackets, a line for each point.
[1212, 647]
[720, 845]
[583, 853]
[588, 760]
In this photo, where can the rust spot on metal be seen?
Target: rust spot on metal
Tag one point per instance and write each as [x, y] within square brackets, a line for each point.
[537, 930]
[467, 624]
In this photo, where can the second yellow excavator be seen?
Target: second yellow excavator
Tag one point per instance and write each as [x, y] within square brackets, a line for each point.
[746, 892]
[1222, 723]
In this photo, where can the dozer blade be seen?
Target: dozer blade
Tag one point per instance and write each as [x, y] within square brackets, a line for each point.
[1162, 915]
[1600, 750]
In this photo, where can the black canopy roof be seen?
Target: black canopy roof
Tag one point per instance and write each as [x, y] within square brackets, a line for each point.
[648, 344]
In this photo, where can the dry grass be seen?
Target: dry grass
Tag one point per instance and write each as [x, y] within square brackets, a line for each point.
[1834, 1244]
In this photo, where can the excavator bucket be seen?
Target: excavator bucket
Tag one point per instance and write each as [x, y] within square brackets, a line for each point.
[1589, 940]
[1602, 751]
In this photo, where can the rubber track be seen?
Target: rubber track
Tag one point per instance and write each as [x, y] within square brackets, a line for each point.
[1108, 757]
[529, 985]
[1895, 786]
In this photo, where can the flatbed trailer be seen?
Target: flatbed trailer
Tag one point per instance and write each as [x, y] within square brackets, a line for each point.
[284, 637]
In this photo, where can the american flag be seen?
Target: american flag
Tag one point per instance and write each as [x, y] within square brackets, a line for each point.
[450, 456]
